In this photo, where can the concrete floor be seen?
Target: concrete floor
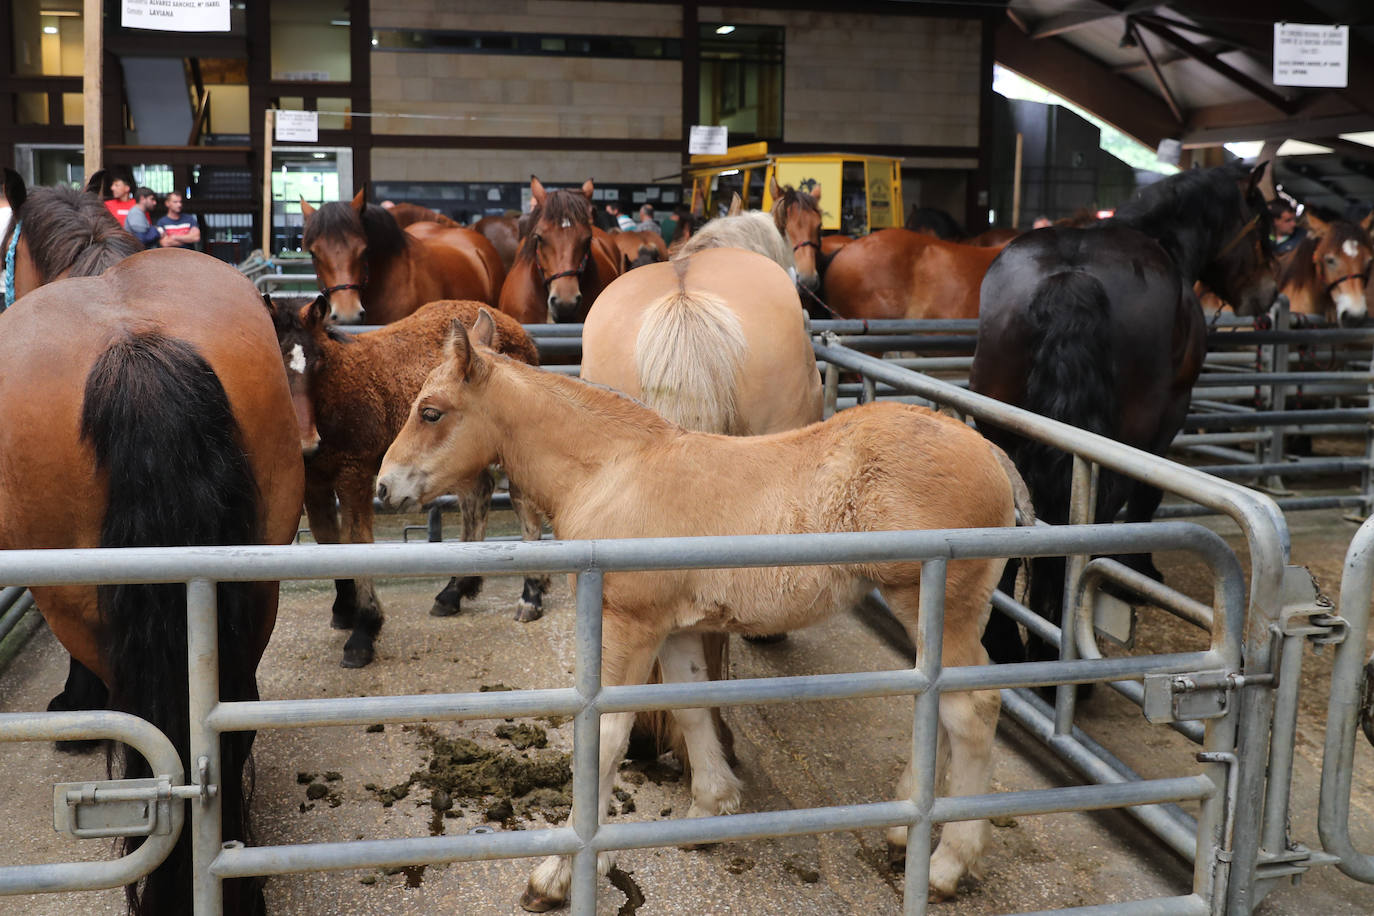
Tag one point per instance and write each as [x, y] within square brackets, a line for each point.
[791, 755]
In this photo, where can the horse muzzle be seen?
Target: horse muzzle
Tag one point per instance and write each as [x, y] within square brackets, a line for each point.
[346, 307]
[564, 310]
[401, 488]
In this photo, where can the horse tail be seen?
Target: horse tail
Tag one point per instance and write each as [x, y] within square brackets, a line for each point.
[1072, 379]
[163, 432]
[689, 355]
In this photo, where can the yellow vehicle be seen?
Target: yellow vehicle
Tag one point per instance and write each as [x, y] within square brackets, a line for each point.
[859, 193]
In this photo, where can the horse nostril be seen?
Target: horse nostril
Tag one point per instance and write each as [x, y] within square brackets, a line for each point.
[381, 491]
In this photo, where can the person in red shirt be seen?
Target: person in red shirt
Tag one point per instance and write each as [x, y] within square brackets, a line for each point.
[121, 199]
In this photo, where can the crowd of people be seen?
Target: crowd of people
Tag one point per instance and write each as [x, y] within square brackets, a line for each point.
[134, 209]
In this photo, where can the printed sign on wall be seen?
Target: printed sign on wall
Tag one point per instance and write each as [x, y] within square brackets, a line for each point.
[297, 127]
[1311, 55]
[706, 140]
[175, 15]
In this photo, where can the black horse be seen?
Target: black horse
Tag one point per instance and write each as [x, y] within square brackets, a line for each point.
[1099, 328]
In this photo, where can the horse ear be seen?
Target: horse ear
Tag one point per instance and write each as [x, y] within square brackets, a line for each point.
[306, 210]
[537, 191]
[458, 350]
[588, 188]
[816, 191]
[97, 182]
[1367, 224]
[316, 312]
[15, 191]
[1316, 226]
[773, 190]
[736, 205]
[484, 329]
[360, 199]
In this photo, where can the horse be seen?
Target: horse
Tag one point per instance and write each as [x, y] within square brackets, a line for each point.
[143, 404]
[1100, 328]
[604, 466]
[351, 393]
[504, 233]
[936, 222]
[901, 273]
[1328, 273]
[714, 341]
[797, 214]
[638, 247]
[753, 231]
[369, 267]
[563, 262]
[407, 214]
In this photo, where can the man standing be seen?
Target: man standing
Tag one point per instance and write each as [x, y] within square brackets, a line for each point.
[1287, 233]
[178, 230]
[121, 201]
[139, 222]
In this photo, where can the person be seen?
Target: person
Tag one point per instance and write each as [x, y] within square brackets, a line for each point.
[138, 221]
[179, 230]
[1287, 233]
[121, 201]
[622, 220]
[647, 223]
[608, 217]
[1041, 222]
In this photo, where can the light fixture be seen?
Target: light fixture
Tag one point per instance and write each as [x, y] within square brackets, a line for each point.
[374, 42]
[724, 29]
[319, 155]
[339, 22]
[725, 172]
[49, 30]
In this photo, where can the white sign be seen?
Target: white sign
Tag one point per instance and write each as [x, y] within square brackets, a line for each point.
[297, 127]
[1311, 55]
[176, 15]
[707, 140]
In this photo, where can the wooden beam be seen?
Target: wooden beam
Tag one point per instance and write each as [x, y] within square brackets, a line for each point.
[1096, 11]
[1210, 60]
[93, 84]
[1163, 84]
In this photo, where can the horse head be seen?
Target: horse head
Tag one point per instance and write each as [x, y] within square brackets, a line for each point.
[58, 232]
[1241, 267]
[797, 215]
[299, 332]
[1342, 258]
[557, 240]
[337, 242]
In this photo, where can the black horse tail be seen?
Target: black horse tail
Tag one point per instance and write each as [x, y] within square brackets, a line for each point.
[163, 432]
[1072, 379]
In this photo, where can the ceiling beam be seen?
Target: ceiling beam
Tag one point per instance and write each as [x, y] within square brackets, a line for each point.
[1092, 12]
[1168, 57]
[1068, 72]
[1203, 56]
[1224, 123]
[1163, 84]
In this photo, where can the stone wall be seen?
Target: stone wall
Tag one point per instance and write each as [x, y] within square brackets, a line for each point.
[552, 166]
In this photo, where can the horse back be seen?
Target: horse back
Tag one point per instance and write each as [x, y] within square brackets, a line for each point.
[903, 274]
[459, 263]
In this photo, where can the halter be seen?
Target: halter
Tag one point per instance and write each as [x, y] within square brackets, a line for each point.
[1363, 275]
[1235, 240]
[576, 271]
[807, 244]
[360, 286]
[9, 265]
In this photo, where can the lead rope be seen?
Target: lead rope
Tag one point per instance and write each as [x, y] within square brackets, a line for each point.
[9, 266]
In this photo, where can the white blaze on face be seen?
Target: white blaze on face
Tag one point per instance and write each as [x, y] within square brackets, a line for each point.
[1350, 248]
[297, 363]
[566, 223]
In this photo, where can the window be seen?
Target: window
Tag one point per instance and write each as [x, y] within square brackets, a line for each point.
[310, 41]
[741, 79]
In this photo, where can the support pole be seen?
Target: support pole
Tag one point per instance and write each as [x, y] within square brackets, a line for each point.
[269, 125]
[93, 85]
[1016, 184]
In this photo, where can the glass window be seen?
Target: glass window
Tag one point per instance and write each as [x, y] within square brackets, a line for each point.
[47, 37]
[741, 79]
[310, 40]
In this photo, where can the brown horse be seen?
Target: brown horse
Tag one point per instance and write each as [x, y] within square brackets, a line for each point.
[638, 247]
[797, 215]
[1328, 273]
[351, 393]
[564, 262]
[370, 268]
[901, 273]
[604, 466]
[143, 404]
[504, 233]
[406, 214]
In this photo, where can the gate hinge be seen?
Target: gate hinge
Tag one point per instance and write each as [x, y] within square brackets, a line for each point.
[1305, 611]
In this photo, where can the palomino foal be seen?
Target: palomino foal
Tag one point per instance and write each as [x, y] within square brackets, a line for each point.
[603, 466]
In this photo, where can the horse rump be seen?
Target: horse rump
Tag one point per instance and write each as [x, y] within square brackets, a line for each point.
[163, 432]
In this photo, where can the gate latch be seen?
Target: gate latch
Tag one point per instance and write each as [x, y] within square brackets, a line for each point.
[1191, 696]
[1305, 611]
[113, 807]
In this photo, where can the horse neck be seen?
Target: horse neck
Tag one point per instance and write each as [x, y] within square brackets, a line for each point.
[555, 434]
[1299, 280]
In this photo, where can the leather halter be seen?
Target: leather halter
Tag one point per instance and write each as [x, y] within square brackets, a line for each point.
[807, 244]
[1363, 275]
[360, 286]
[1235, 240]
[574, 272]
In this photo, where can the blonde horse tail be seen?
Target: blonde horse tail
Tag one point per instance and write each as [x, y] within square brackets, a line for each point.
[689, 356]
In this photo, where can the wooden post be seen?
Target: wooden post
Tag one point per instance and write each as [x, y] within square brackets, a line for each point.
[1016, 184]
[269, 125]
[93, 84]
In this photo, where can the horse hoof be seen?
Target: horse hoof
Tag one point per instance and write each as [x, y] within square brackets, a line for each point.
[766, 639]
[441, 609]
[356, 658]
[526, 612]
[538, 903]
[77, 747]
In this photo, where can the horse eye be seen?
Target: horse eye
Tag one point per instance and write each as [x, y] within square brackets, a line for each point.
[430, 415]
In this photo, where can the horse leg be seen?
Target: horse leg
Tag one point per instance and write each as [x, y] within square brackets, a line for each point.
[474, 505]
[968, 720]
[628, 647]
[715, 788]
[82, 691]
[531, 605]
[1140, 507]
[355, 507]
[322, 515]
[1002, 638]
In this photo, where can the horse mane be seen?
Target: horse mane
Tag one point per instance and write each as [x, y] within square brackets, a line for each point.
[1190, 214]
[384, 237]
[753, 231]
[936, 222]
[792, 197]
[70, 231]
